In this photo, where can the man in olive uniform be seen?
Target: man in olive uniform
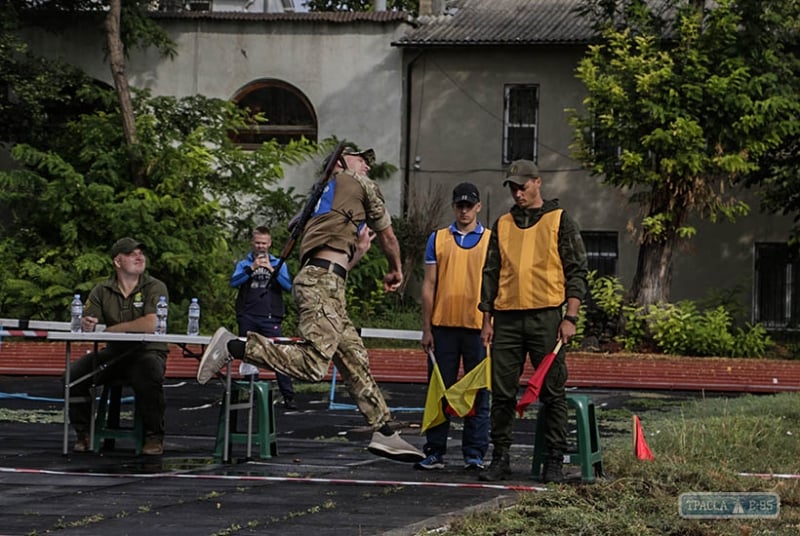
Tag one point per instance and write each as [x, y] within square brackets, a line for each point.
[126, 302]
[535, 264]
[350, 208]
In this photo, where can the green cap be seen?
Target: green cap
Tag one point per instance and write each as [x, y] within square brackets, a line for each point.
[125, 245]
[520, 171]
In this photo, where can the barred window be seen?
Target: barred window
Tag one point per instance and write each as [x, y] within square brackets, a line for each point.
[601, 251]
[520, 122]
[776, 304]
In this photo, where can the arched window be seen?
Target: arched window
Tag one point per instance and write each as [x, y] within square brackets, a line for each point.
[288, 111]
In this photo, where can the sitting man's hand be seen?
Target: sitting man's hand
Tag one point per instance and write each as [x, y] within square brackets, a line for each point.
[88, 323]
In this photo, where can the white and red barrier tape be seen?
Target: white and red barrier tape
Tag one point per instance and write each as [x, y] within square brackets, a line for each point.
[35, 333]
[302, 480]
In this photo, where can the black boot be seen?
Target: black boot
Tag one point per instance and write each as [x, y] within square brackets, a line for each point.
[553, 468]
[499, 469]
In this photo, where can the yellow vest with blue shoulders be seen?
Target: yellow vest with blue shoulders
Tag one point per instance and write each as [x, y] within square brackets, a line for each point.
[531, 273]
[458, 281]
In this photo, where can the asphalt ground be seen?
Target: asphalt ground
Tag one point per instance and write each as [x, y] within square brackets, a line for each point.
[322, 480]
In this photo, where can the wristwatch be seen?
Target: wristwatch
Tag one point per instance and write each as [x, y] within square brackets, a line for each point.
[571, 319]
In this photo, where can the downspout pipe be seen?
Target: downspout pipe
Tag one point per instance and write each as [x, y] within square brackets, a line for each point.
[408, 166]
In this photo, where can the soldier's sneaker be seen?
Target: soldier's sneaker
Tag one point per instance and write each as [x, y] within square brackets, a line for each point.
[433, 461]
[395, 448]
[215, 356]
[153, 446]
[474, 463]
[82, 444]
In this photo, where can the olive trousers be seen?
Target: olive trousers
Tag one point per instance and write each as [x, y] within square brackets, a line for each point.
[517, 335]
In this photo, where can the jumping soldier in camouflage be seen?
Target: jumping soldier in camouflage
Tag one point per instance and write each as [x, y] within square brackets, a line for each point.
[335, 238]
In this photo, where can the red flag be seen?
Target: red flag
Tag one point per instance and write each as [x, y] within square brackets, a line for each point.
[640, 448]
[536, 380]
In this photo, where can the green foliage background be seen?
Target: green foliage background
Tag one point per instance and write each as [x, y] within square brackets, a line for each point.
[71, 194]
[673, 121]
[683, 328]
[72, 198]
[685, 101]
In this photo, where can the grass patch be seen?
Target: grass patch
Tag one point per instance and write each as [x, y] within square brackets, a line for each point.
[307, 387]
[30, 416]
[700, 446]
[651, 402]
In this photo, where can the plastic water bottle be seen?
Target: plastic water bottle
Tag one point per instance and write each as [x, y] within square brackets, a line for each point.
[161, 316]
[76, 311]
[193, 327]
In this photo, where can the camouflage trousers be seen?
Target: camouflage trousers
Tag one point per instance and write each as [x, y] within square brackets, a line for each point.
[329, 335]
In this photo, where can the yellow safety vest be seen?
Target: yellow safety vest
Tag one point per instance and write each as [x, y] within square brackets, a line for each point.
[458, 282]
[531, 273]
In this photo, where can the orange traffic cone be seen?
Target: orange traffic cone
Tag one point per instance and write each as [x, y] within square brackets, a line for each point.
[640, 448]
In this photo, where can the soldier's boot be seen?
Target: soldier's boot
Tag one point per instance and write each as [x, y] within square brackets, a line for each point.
[499, 469]
[553, 468]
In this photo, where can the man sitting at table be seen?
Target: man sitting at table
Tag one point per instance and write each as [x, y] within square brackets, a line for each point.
[125, 302]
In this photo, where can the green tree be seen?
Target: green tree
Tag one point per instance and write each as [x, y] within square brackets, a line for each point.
[37, 95]
[681, 105]
[125, 27]
[96, 164]
[65, 206]
[778, 184]
[776, 179]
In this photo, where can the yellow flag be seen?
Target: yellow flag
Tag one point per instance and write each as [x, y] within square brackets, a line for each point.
[461, 395]
[434, 414]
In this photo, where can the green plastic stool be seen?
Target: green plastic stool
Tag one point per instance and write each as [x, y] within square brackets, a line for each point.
[589, 454]
[258, 400]
[107, 427]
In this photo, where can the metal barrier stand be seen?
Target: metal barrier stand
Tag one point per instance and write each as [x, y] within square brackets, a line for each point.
[373, 333]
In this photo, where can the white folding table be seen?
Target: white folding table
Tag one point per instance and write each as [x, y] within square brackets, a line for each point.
[96, 337]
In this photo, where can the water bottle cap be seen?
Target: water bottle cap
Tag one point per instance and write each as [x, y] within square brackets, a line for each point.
[194, 300]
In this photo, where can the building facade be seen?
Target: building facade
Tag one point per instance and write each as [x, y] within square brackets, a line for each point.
[454, 95]
[330, 74]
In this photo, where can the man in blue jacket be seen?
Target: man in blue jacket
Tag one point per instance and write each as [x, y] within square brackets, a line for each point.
[259, 305]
